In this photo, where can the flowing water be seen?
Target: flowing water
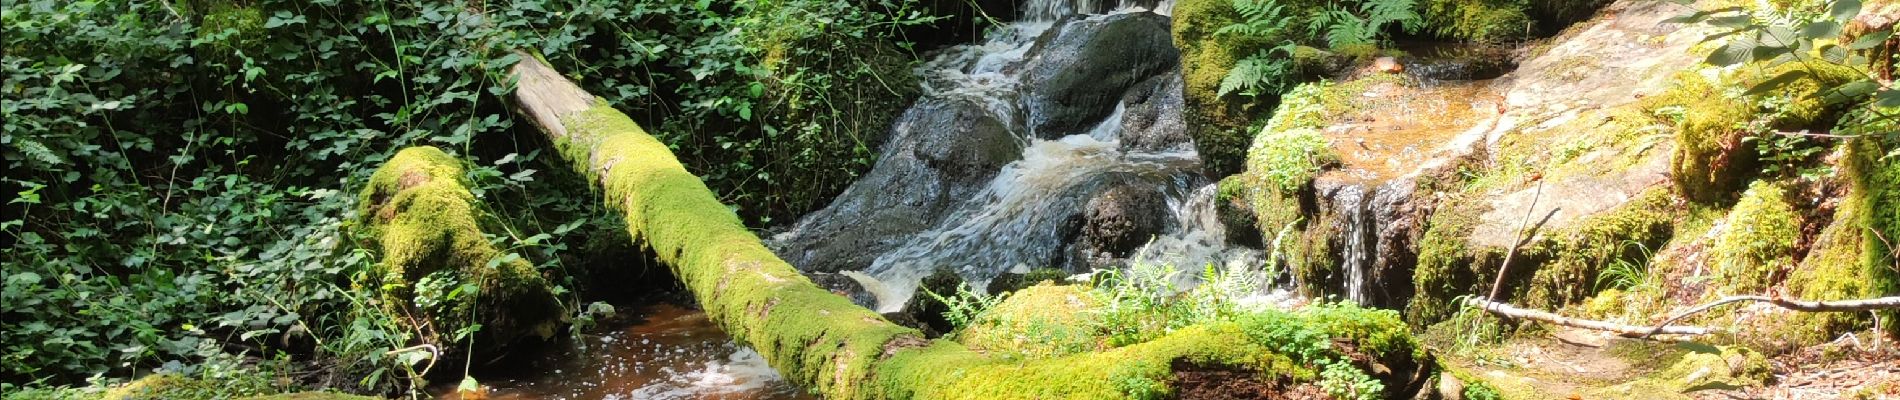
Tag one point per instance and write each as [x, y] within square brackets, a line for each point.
[665, 352]
[1023, 216]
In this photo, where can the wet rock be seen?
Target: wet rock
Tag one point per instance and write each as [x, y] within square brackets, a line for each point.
[1152, 121]
[1080, 69]
[1011, 281]
[844, 286]
[1376, 228]
[1120, 220]
[926, 310]
[942, 153]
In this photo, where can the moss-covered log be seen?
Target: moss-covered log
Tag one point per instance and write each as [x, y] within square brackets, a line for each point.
[429, 229]
[823, 342]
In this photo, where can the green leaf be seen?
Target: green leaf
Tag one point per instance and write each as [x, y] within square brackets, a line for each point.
[1834, 54]
[468, 385]
[1821, 30]
[1732, 21]
[1777, 82]
[1844, 10]
[1779, 36]
[1735, 52]
[1887, 98]
[1871, 39]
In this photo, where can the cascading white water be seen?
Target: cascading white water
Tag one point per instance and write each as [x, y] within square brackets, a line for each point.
[1025, 214]
[1016, 219]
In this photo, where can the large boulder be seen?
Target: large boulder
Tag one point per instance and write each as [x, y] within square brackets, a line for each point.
[943, 152]
[1078, 71]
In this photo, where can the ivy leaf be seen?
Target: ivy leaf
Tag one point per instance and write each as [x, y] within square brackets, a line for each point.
[1732, 21]
[1844, 10]
[1699, 16]
[1777, 82]
[1871, 40]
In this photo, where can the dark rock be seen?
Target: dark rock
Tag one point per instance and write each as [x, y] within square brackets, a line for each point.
[1377, 229]
[1122, 219]
[942, 153]
[1152, 121]
[843, 286]
[1010, 281]
[1079, 70]
[926, 309]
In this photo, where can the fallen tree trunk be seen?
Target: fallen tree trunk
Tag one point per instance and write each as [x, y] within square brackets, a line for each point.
[819, 340]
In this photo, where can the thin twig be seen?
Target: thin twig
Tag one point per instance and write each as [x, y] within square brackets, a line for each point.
[1517, 240]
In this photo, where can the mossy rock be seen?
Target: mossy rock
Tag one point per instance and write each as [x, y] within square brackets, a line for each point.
[1037, 322]
[1757, 242]
[1478, 20]
[1875, 197]
[1710, 160]
[1577, 255]
[1217, 123]
[429, 230]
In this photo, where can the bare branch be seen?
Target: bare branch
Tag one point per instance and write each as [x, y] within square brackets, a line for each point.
[1510, 311]
[1882, 303]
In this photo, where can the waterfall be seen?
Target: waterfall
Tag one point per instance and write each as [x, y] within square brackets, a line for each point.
[940, 197]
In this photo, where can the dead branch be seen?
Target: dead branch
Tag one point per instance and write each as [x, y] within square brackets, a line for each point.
[1633, 331]
[1881, 303]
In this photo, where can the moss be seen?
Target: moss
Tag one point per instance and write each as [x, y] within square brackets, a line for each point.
[1710, 160]
[1731, 367]
[160, 386]
[1757, 241]
[1037, 322]
[1579, 253]
[1834, 269]
[823, 342]
[1477, 20]
[1258, 343]
[1448, 265]
[430, 234]
[1216, 124]
[1875, 198]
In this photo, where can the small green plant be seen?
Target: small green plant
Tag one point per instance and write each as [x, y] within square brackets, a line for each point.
[1804, 41]
[1264, 72]
[1625, 273]
[1343, 381]
[964, 306]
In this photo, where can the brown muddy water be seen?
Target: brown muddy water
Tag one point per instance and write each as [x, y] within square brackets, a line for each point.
[663, 352]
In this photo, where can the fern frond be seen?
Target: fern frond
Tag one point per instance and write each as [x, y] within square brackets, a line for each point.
[37, 151]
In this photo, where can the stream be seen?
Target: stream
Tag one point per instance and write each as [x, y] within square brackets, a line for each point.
[1056, 141]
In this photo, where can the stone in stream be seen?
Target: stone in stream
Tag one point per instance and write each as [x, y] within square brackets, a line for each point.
[943, 152]
[1120, 220]
[1079, 71]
